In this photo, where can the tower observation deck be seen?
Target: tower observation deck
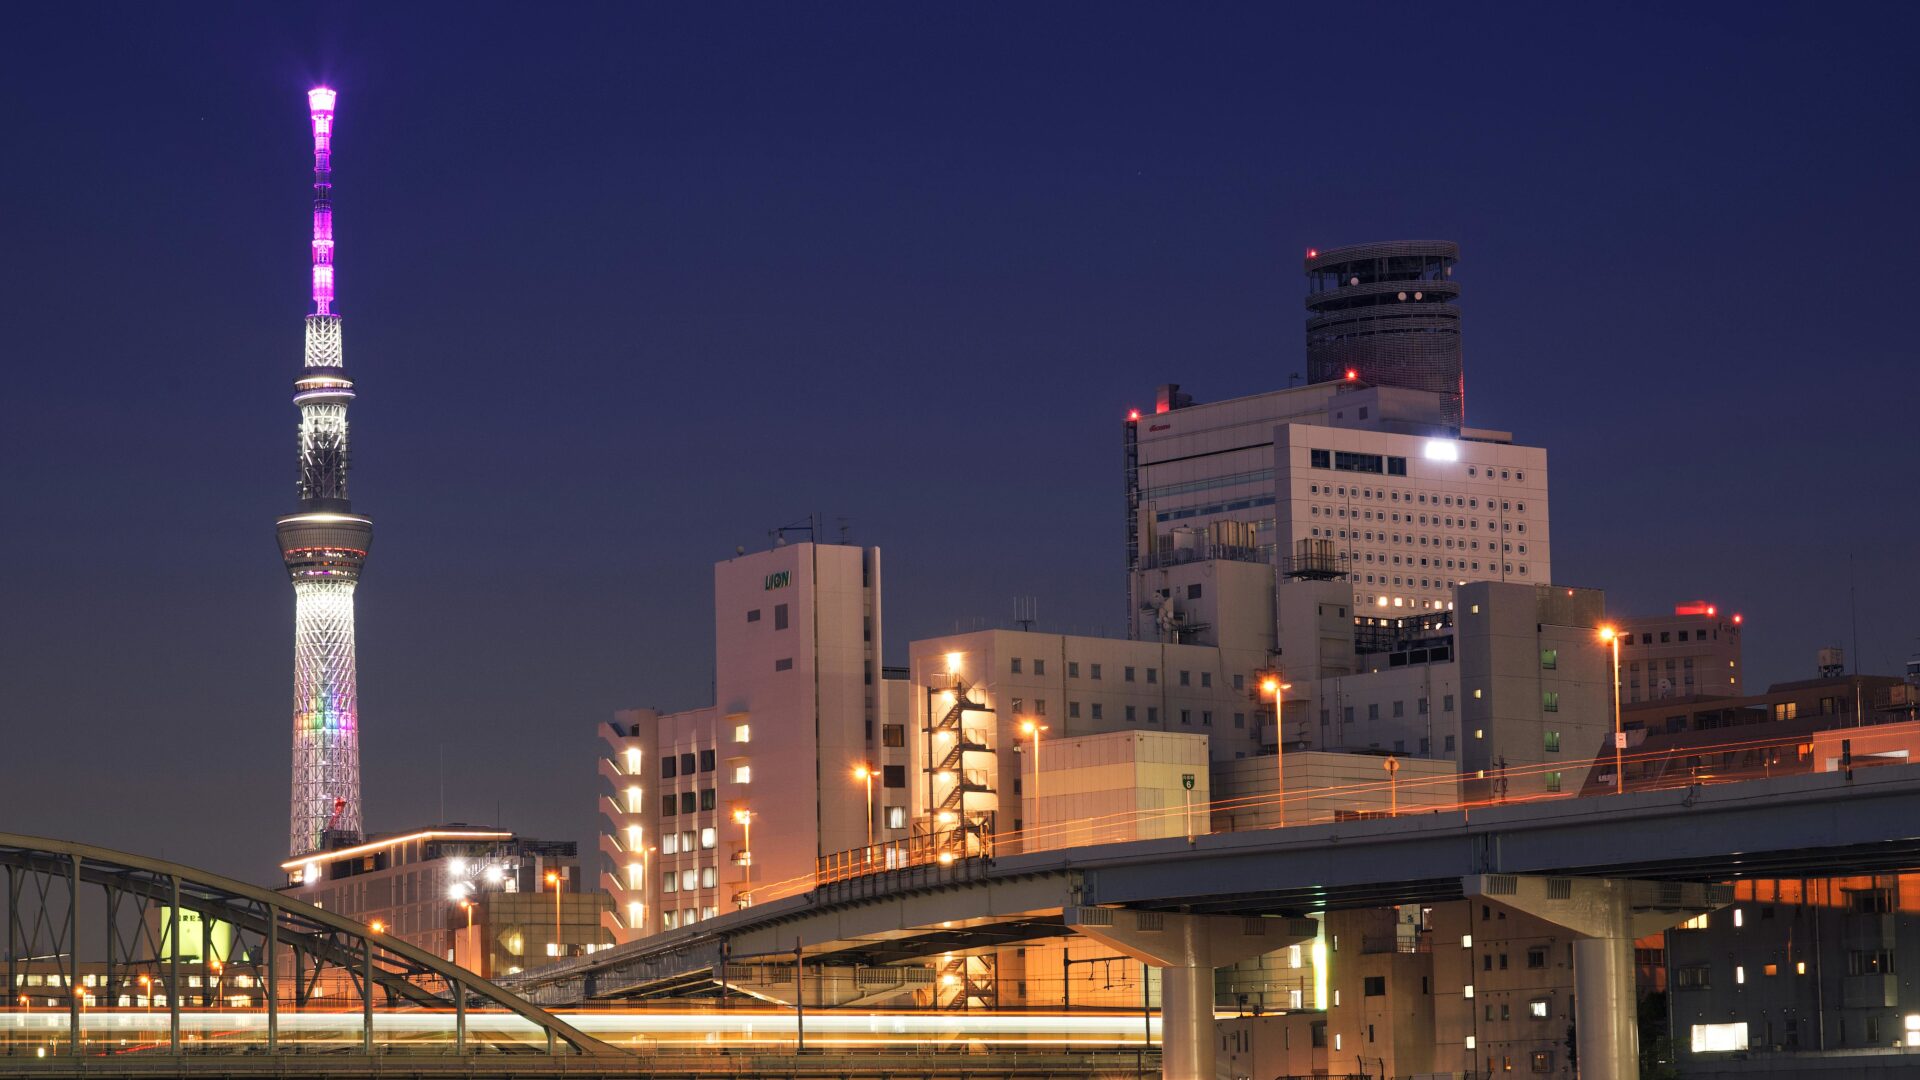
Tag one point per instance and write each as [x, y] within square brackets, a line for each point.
[324, 545]
[1385, 314]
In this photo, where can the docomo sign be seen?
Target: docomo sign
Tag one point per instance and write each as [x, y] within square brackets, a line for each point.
[779, 580]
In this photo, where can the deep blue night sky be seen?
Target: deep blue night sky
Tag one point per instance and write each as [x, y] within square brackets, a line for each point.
[627, 286]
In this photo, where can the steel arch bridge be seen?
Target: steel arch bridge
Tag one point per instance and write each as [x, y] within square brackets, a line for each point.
[157, 931]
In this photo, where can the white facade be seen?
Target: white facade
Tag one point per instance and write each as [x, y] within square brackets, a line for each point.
[718, 807]
[1412, 507]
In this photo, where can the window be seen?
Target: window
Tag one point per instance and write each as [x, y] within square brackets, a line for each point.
[1014, 666]
[1870, 962]
[1374, 986]
[742, 733]
[1129, 674]
[1093, 670]
[1692, 977]
[1538, 1008]
[1073, 710]
[1186, 678]
[1550, 658]
[1206, 679]
[779, 616]
[669, 882]
[1446, 703]
[1320, 459]
[1097, 713]
[670, 843]
[668, 804]
[1153, 675]
[1869, 901]
[893, 776]
[706, 877]
[1553, 781]
[1186, 716]
[1039, 666]
[1396, 466]
[709, 836]
[1373, 710]
[706, 798]
[1549, 700]
[1542, 1061]
[754, 615]
[1448, 747]
[743, 774]
[689, 880]
[1552, 742]
[1153, 714]
[687, 764]
[667, 762]
[896, 817]
[706, 761]
[1193, 591]
[785, 664]
[1073, 669]
[893, 734]
[1537, 957]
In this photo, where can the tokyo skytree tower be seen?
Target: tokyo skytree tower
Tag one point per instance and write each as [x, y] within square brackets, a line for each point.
[324, 545]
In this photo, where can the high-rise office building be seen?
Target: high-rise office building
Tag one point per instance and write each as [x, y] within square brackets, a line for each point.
[1369, 478]
[1385, 313]
[324, 545]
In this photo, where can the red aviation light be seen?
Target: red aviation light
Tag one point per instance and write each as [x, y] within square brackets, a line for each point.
[1133, 416]
[1737, 618]
[1313, 253]
[1353, 374]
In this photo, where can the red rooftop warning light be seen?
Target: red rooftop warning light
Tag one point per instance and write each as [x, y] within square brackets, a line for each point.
[1313, 253]
[1353, 375]
[1133, 415]
[1737, 619]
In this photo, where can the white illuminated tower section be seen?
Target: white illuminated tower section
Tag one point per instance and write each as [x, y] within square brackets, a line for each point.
[324, 546]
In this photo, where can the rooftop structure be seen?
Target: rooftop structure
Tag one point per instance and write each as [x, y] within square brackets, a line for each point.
[1384, 313]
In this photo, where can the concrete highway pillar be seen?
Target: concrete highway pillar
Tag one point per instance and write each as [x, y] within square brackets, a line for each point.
[1186, 949]
[1606, 915]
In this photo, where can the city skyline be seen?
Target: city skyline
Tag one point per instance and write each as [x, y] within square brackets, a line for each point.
[629, 279]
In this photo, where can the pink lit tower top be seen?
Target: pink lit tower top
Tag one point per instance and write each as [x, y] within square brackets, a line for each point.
[324, 545]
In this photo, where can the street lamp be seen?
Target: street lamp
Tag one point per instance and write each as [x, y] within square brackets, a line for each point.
[1612, 637]
[216, 966]
[553, 882]
[1033, 729]
[1272, 686]
[146, 984]
[864, 772]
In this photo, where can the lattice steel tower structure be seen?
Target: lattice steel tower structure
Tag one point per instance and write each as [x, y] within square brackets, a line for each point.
[324, 545]
[1385, 314]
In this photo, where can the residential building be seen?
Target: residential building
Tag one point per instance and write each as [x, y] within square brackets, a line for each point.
[800, 704]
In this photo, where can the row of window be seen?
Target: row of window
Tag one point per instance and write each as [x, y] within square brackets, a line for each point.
[1399, 709]
[779, 616]
[1216, 508]
[685, 764]
[1471, 502]
[670, 920]
[1348, 461]
[687, 802]
[1017, 666]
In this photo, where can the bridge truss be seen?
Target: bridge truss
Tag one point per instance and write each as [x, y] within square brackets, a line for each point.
[112, 953]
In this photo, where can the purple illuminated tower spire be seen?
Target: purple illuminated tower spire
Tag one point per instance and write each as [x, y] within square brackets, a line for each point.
[324, 545]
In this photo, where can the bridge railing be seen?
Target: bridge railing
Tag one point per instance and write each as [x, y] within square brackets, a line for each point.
[1730, 760]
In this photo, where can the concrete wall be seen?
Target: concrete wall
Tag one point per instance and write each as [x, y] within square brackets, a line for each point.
[1103, 789]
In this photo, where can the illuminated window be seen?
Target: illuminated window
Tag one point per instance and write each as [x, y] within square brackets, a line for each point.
[1718, 1038]
[633, 761]
[709, 836]
[1698, 922]
[743, 774]
[1538, 1008]
[669, 843]
[742, 733]
[706, 877]
[896, 817]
